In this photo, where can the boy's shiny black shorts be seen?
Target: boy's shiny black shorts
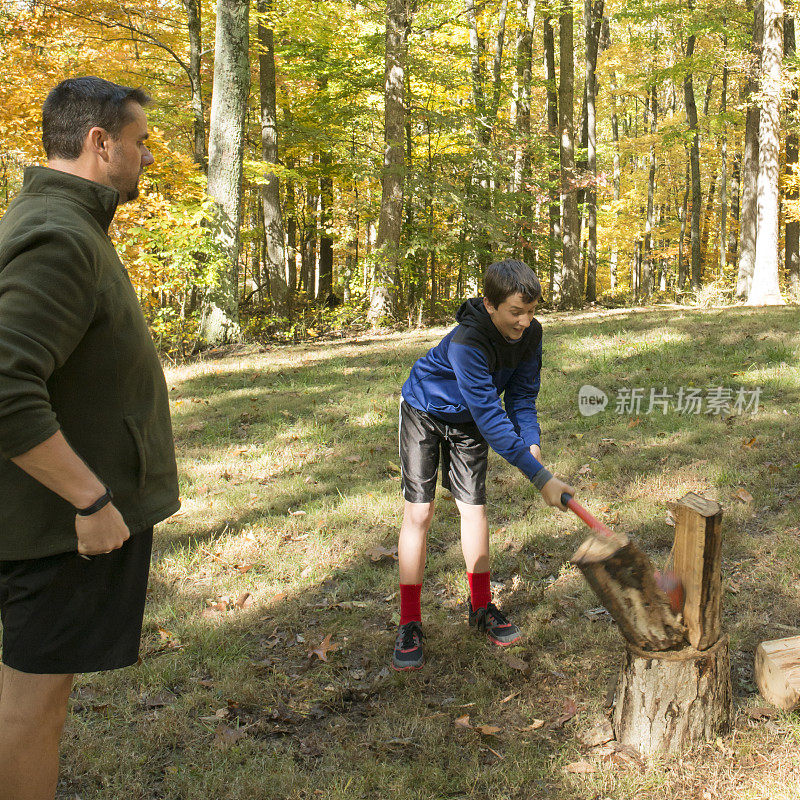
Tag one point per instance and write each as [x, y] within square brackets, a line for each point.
[463, 450]
[63, 614]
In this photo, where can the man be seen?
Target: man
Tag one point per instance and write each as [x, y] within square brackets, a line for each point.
[88, 463]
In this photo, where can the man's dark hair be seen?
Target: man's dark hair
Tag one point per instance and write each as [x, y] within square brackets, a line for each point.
[77, 105]
[504, 278]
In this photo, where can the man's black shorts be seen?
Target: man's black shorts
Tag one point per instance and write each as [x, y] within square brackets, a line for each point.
[464, 453]
[64, 614]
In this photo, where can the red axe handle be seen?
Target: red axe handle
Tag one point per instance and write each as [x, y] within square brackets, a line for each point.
[581, 512]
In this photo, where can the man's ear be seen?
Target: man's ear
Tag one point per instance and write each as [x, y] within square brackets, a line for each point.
[488, 306]
[97, 142]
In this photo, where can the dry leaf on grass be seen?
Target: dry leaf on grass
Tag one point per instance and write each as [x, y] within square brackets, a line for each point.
[762, 712]
[225, 735]
[487, 730]
[580, 768]
[517, 663]
[534, 726]
[463, 722]
[744, 496]
[748, 444]
[570, 710]
[326, 646]
[378, 552]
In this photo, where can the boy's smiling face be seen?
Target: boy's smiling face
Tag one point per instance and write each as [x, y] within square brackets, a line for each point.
[513, 316]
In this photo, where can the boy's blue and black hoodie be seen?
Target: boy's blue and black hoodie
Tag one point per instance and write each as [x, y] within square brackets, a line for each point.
[462, 378]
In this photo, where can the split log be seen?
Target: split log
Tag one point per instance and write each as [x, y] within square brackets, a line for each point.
[777, 672]
[622, 577]
[668, 701]
[696, 561]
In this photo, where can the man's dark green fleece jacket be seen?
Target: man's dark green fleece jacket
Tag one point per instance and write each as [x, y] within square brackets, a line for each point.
[75, 355]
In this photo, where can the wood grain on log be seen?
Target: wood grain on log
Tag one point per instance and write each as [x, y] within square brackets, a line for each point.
[622, 577]
[696, 561]
[668, 701]
[777, 672]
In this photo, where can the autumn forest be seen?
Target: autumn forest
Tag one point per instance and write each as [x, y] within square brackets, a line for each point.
[358, 163]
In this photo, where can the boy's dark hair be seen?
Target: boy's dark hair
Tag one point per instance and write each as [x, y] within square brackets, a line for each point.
[77, 105]
[508, 277]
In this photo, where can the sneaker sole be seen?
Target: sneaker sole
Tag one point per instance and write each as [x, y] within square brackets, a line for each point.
[408, 668]
[503, 644]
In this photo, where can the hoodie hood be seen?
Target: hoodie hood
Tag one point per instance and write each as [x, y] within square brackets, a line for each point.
[473, 314]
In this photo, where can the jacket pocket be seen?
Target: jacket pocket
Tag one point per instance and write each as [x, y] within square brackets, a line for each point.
[140, 451]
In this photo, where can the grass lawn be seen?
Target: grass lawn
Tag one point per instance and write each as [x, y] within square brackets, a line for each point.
[290, 488]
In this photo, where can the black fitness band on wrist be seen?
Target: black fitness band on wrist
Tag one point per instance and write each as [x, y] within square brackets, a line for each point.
[101, 502]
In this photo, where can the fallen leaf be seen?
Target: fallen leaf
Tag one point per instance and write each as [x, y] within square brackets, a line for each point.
[570, 710]
[634, 422]
[580, 768]
[598, 734]
[323, 649]
[517, 663]
[243, 567]
[225, 735]
[160, 699]
[463, 722]
[509, 697]
[378, 552]
[297, 513]
[245, 600]
[488, 730]
[744, 496]
[585, 469]
[748, 444]
[534, 726]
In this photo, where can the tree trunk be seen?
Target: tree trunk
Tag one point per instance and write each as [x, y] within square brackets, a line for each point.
[748, 215]
[684, 210]
[275, 263]
[291, 232]
[193, 24]
[667, 702]
[220, 318]
[647, 264]
[553, 153]
[723, 178]
[612, 269]
[694, 156]
[593, 13]
[792, 230]
[571, 290]
[325, 286]
[398, 16]
[522, 158]
[764, 289]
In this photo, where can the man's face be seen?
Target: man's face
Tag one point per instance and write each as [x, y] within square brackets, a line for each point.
[513, 316]
[129, 155]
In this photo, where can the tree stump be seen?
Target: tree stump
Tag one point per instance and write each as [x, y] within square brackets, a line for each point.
[668, 701]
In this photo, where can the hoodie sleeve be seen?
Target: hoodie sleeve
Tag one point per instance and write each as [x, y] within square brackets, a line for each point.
[481, 397]
[520, 398]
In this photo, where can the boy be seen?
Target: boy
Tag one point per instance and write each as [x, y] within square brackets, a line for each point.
[451, 403]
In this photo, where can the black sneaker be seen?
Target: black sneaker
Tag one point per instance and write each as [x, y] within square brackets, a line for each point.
[493, 622]
[408, 647]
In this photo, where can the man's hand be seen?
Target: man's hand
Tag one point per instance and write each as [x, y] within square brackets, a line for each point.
[552, 491]
[101, 532]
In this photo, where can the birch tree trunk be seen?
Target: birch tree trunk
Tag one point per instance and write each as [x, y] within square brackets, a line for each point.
[764, 289]
[748, 215]
[647, 264]
[723, 178]
[571, 290]
[392, 180]
[792, 230]
[220, 318]
[274, 249]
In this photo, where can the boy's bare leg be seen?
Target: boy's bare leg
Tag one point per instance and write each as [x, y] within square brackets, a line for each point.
[32, 713]
[474, 537]
[413, 540]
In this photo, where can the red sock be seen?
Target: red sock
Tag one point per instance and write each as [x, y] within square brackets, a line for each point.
[410, 605]
[480, 591]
